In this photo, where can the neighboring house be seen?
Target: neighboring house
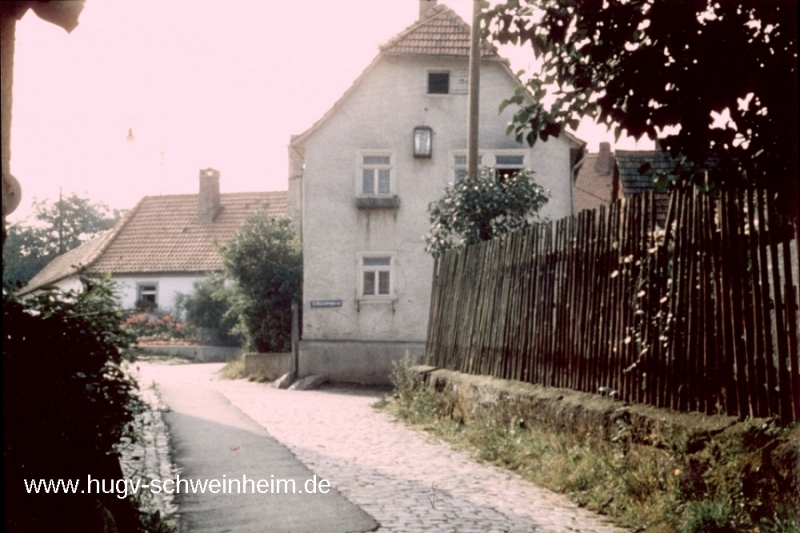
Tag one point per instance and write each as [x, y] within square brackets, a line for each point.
[361, 180]
[629, 180]
[594, 180]
[164, 244]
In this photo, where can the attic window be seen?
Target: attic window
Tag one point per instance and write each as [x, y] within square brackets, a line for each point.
[438, 82]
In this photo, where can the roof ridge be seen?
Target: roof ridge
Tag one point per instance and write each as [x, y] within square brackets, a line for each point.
[186, 195]
[441, 11]
[441, 8]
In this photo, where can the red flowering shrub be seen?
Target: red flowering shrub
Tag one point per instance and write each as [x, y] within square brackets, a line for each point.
[155, 327]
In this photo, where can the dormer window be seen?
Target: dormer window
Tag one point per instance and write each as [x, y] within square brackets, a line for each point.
[438, 83]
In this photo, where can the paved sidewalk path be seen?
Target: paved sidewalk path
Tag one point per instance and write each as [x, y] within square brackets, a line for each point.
[212, 440]
[406, 480]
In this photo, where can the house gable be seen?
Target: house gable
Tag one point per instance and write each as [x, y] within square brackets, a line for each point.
[440, 34]
[363, 193]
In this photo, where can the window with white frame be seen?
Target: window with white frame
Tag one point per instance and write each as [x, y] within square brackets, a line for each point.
[508, 164]
[376, 275]
[147, 295]
[460, 166]
[376, 174]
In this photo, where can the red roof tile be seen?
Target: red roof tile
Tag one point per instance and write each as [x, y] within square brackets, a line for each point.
[440, 32]
[161, 235]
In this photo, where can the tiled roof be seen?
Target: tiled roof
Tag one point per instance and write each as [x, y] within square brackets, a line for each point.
[593, 186]
[628, 163]
[161, 234]
[66, 264]
[439, 32]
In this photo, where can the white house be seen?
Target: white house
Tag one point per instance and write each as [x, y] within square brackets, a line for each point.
[164, 244]
[359, 193]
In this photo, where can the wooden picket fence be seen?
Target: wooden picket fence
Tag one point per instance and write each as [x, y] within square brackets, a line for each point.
[701, 315]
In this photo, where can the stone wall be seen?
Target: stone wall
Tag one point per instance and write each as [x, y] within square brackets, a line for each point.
[201, 354]
[476, 397]
[269, 364]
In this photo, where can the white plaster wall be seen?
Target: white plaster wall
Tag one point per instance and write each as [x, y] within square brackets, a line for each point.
[69, 284]
[168, 287]
[381, 113]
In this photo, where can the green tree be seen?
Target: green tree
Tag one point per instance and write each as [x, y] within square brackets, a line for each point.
[58, 227]
[645, 67]
[475, 211]
[209, 314]
[73, 220]
[25, 253]
[265, 262]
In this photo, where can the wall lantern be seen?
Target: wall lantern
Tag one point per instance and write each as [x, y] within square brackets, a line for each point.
[423, 139]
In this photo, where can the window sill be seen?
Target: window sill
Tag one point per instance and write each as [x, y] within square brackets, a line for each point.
[378, 202]
[387, 300]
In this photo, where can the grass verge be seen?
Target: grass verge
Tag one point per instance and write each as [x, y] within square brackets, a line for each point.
[743, 480]
[234, 369]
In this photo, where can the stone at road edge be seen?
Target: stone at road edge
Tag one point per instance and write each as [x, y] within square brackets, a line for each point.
[309, 382]
[285, 380]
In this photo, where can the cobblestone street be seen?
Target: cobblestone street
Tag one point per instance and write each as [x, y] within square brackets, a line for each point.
[403, 478]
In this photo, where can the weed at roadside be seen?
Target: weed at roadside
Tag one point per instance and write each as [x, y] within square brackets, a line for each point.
[730, 485]
[233, 369]
[261, 377]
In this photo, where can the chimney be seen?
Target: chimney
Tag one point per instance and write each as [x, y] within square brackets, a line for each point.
[208, 205]
[605, 160]
[425, 5]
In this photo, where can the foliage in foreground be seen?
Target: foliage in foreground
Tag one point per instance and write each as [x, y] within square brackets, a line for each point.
[666, 69]
[265, 262]
[67, 405]
[472, 211]
[742, 481]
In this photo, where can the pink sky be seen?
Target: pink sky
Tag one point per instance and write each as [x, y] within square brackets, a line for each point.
[203, 82]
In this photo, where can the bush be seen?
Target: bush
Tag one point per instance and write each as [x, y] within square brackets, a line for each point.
[479, 210]
[209, 315]
[154, 327]
[67, 404]
[265, 262]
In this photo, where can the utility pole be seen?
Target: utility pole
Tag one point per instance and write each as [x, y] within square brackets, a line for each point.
[474, 89]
